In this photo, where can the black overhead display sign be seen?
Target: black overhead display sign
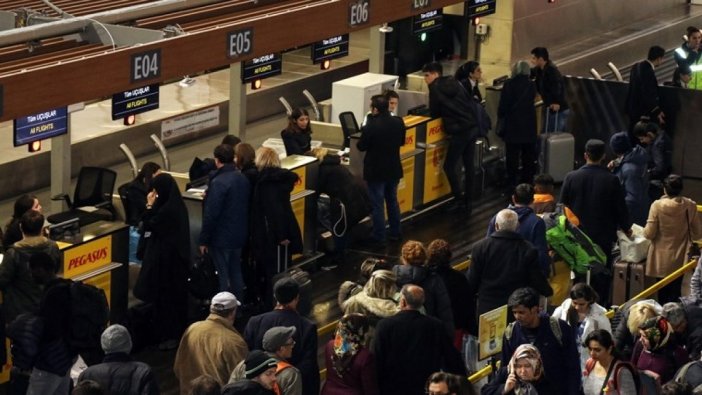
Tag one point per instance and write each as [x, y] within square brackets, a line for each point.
[262, 67]
[331, 48]
[427, 21]
[478, 8]
[135, 101]
[40, 126]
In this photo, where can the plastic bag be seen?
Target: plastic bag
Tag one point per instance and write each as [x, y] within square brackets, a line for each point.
[634, 249]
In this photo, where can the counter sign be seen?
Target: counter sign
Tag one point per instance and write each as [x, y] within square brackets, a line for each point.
[135, 101]
[427, 21]
[359, 12]
[331, 48]
[262, 67]
[239, 42]
[40, 126]
[478, 8]
[419, 4]
[146, 65]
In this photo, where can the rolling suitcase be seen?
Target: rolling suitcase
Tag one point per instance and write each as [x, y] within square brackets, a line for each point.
[557, 153]
[304, 307]
[637, 278]
[629, 280]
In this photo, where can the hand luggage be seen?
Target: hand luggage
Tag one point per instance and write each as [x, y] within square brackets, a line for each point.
[304, 307]
[629, 280]
[557, 153]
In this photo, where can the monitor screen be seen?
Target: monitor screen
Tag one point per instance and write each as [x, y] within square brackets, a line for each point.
[66, 231]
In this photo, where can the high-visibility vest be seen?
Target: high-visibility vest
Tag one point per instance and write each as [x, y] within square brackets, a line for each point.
[282, 365]
[696, 68]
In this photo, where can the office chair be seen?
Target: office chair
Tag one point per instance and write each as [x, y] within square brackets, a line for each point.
[349, 126]
[92, 199]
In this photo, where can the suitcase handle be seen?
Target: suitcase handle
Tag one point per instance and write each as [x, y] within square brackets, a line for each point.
[555, 121]
[285, 261]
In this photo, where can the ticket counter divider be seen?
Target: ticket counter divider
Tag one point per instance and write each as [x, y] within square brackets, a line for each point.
[302, 199]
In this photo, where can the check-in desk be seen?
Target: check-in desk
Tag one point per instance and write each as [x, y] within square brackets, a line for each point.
[302, 199]
[101, 259]
[422, 158]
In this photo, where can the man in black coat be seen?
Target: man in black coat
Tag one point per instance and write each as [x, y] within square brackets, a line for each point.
[304, 355]
[549, 84]
[642, 99]
[410, 346]
[450, 101]
[596, 197]
[381, 139]
[504, 262]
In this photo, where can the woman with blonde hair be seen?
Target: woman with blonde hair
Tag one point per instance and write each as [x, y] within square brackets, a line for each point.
[523, 375]
[414, 270]
[627, 331]
[377, 299]
[275, 234]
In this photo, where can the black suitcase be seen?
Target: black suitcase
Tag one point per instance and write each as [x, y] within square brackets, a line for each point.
[141, 325]
[304, 307]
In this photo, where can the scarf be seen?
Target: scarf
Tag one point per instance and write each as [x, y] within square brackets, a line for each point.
[657, 331]
[348, 341]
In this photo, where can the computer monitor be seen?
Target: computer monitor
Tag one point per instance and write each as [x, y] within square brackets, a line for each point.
[420, 110]
[66, 231]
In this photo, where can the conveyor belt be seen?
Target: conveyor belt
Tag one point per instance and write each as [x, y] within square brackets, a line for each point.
[73, 7]
[664, 72]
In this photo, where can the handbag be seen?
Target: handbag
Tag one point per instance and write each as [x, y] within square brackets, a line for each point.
[635, 249]
[203, 282]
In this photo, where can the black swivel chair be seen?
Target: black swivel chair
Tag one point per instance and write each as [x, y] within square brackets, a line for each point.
[349, 126]
[93, 189]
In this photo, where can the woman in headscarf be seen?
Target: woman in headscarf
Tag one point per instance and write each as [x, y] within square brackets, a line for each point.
[350, 365]
[523, 376]
[135, 205]
[657, 349]
[163, 276]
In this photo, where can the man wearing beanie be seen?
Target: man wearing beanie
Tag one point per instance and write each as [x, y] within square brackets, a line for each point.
[304, 354]
[259, 376]
[212, 347]
[597, 199]
[118, 373]
[278, 343]
[630, 167]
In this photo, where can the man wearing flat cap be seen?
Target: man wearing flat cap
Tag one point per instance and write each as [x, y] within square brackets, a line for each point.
[259, 376]
[304, 354]
[278, 343]
[118, 373]
[212, 346]
[597, 199]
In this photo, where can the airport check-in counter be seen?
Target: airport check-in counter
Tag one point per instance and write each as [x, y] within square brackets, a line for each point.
[422, 159]
[302, 199]
[101, 259]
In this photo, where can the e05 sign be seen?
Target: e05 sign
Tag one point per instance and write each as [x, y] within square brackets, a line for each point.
[146, 65]
[240, 42]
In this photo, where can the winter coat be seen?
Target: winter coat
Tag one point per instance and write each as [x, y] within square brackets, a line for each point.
[374, 308]
[55, 355]
[459, 292]
[347, 289]
[549, 84]
[502, 263]
[20, 293]
[671, 223]
[449, 101]
[544, 203]
[297, 142]
[136, 202]
[436, 298]
[597, 198]
[289, 379]
[404, 359]
[225, 221]
[213, 347]
[337, 181]
[642, 97]
[381, 139]
[246, 387]
[497, 385]
[533, 229]
[665, 362]
[632, 172]
[359, 380]
[272, 217]
[304, 355]
[595, 319]
[561, 361]
[516, 111]
[119, 374]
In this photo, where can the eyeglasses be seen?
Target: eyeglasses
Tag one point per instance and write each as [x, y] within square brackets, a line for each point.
[289, 344]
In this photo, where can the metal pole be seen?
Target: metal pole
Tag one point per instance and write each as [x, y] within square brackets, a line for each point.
[237, 102]
[61, 167]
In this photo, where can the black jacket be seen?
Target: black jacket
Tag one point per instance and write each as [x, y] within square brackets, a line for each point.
[382, 138]
[450, 101]
[337, 181]
[459, 292]
[642, 99]
[516, 111]
[119, 374]
[404, 359]
[245, 387]
[596, 196]
[549, 83]
[272, 217]
[296, 142]
[502, 263]
[55, 355]
[136, 202]
[225, 220]
[304, 355]
[436, 298]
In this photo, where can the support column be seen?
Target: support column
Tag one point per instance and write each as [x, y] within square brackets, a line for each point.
[376, 60]
[237, 102]
[496, 54]
[61, 167]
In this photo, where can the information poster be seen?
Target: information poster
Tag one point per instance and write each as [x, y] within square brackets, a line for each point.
[405, 189]
[436, 184]
[491, 328]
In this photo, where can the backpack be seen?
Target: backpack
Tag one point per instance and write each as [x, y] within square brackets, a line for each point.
[571, 243]
[619, 365]
[680, 376]
[25, 332]
[555, 328]
[89, 315]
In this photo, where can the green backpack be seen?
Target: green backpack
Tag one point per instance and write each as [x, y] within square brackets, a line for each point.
[571, 243]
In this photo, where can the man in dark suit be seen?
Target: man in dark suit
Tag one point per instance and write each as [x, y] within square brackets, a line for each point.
[381, 139]
[642, 99]
[410, 346]
[596, 196]
[549, 84]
